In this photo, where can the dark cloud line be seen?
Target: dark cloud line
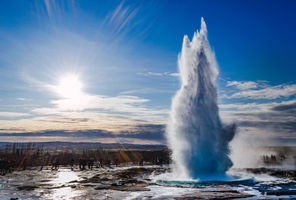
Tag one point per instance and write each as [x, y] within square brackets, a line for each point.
[146, 132]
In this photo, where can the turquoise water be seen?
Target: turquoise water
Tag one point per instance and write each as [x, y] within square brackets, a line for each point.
[232, 182]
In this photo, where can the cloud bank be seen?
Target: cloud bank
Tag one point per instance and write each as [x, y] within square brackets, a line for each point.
[261, 90]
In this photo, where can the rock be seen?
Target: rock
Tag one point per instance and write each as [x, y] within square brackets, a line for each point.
[274, 172]
[281, 192]
[120, 177]
[135, 188]
[214, 195]
[103, 187]
[27, 187]
[127, 188]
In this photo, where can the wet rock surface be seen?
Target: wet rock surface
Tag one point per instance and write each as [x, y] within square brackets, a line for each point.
[274, 172]
[217, 195]
[131, 179]
[129, 183]
[27, 187]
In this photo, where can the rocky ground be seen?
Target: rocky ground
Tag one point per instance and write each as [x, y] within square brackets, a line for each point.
[136, 183]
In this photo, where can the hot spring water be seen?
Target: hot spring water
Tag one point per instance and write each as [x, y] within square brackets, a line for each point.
[195, 134]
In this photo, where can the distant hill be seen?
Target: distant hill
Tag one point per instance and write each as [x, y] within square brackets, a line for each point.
[80, 145]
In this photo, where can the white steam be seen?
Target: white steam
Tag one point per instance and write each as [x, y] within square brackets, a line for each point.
[198, 140]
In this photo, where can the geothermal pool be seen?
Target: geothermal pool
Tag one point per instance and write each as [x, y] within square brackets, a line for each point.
[136, 182]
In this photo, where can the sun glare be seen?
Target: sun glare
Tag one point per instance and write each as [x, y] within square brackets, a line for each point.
[69, 87]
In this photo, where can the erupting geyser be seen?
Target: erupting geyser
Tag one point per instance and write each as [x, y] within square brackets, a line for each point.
[198, 139]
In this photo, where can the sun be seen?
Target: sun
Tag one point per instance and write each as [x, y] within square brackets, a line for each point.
[69, 87]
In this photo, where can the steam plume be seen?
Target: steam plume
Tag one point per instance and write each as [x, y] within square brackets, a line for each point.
[198, 140]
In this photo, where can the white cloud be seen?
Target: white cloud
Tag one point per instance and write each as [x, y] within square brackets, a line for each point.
[87, 111]
[155, 74]
[23, 99]
[175, 74]
[12, 114]
[120, 104]
[160, 74]
[103, 112]
[269, 92]
[243, 85]
[20, 99]
[263, 123]
[53, 119]
[146, 91]
[255, 106]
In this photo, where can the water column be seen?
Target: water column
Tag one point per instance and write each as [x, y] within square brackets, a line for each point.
[195, 134]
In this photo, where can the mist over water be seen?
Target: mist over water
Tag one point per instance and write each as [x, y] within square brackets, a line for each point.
[198, 139]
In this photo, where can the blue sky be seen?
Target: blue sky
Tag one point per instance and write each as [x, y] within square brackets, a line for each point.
[124, 55]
